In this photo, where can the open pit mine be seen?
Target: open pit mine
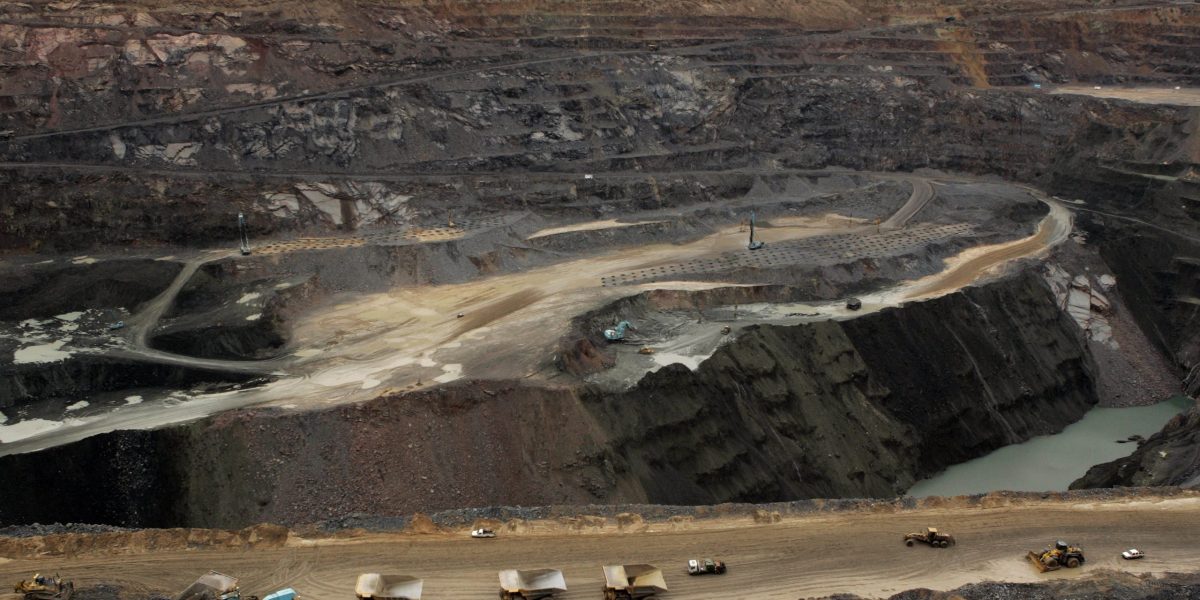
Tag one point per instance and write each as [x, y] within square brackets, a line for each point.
[671, 299]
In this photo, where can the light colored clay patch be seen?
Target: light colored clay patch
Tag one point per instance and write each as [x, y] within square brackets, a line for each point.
[118, 146]
[370, 383]
[83, 260]
[450, 373]
[42, 353]
[319, 194]
[24, 429]
[663, 359]
[71, 316]
[254, 317]
[130, 400]
[248, 297]
[589, 226]
[78, 405]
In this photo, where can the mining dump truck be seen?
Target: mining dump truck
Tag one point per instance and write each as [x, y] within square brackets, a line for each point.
[1059, 556]
[388, 587]
[631, 582]
[41, 587]
[929, 536]
[214, 586]
[532, 584]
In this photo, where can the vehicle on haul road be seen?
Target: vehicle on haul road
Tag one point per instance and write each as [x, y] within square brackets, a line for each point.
[373, 586]
[632, 582]
[483, 533]
[40, 587]
[1056, 557]
[705, 566]
[532, 584]
[284, 594]
[214, 586]
[929, 536]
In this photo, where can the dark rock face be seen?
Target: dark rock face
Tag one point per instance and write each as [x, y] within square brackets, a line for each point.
[1160, 279]
[125, 477]
[830, 409]
[164, 137]
[84, 374]
[855, 408]
[40, 291]
[1169, 457]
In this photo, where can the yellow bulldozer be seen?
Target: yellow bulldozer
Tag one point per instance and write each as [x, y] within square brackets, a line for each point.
[41, 587]
[1056, 557]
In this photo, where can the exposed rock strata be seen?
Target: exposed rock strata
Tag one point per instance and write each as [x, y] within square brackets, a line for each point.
[851, 409]
[1169, 457]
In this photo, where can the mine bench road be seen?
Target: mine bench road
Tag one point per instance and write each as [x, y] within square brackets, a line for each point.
[811, 555]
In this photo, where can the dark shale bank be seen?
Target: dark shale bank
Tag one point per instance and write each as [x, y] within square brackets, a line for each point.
[851, 409]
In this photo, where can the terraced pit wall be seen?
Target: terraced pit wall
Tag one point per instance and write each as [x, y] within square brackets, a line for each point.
[849, 409]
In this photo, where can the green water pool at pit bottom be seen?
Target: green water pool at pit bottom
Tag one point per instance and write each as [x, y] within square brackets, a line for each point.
[1052, 462]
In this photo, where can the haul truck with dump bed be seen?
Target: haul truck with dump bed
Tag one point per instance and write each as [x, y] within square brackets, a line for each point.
[373, 586]
[632, 582]
[533, 584]
[214, 586]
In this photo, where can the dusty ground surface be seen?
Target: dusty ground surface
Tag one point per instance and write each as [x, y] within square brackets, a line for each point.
[1178, 96]
[763, 558]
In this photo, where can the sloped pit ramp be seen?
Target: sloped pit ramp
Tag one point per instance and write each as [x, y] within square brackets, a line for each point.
[637, 581]
[392, 237]
[532, 584]
[816, 250]
[388, 587]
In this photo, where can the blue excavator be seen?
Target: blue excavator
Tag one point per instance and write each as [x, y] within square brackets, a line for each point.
[617, 334]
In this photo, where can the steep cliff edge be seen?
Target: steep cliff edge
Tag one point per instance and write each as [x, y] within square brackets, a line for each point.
[1169, 457]
[855, 408]
[832, 409]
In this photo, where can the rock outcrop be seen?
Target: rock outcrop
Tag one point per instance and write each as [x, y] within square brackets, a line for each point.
[1169, 457]
[832, 409]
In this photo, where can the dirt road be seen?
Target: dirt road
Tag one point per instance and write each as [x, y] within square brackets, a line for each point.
[406, 337]
[922, 193]
[798, 557]
[1144, 95]
[973, 263]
